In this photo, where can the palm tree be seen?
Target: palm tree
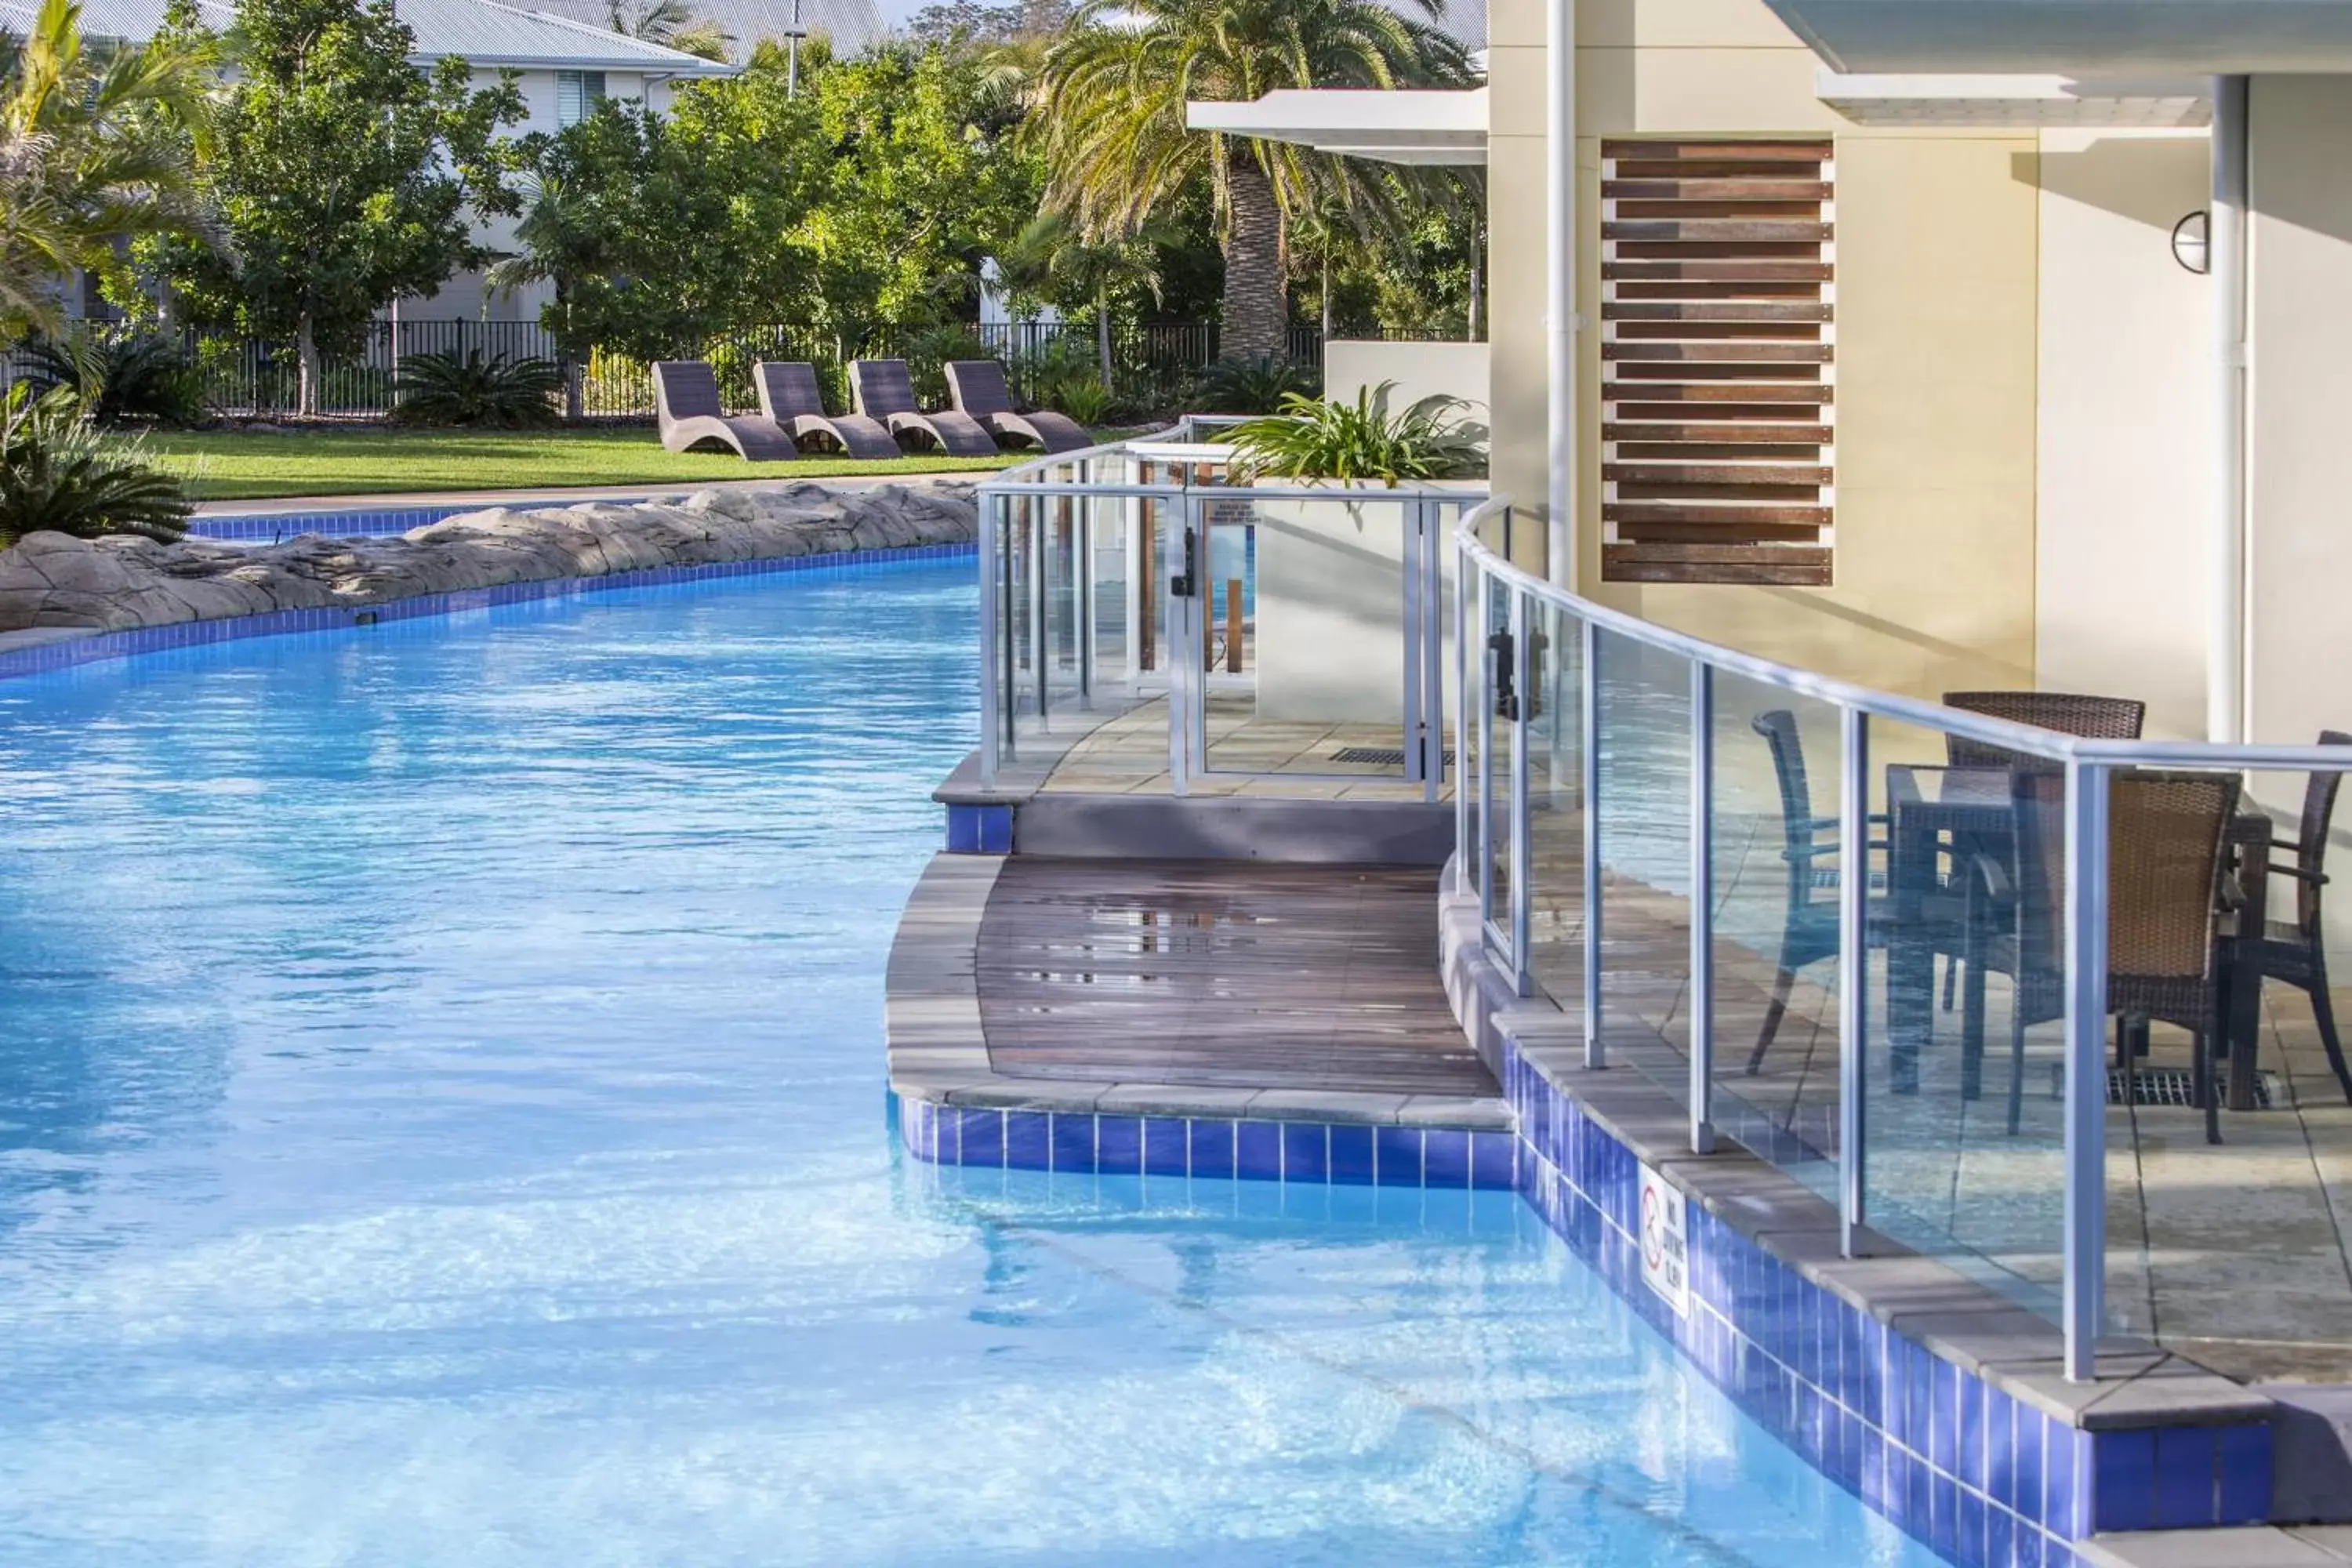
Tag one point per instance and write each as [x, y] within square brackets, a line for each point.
[93, 152]
[564, 242]
[1049, 257]
[673, 26]
[1113, 99]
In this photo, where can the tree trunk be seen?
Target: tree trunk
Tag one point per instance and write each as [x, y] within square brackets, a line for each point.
[1102, 334]
[1257, 313]
[306, 384]
[1327, 289]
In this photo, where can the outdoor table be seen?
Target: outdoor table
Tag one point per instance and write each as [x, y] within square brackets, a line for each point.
[1932, 810]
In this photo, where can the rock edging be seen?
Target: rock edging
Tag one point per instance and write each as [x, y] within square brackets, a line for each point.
[55, 582]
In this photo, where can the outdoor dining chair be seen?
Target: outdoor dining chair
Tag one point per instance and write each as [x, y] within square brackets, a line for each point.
[2292, 951]
[2167, 886]
[2067, 713]
[1808, 933]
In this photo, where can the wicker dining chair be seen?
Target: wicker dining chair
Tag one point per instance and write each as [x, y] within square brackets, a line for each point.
[2167, 885]
[2069, 713]
[2292, 951]
[1810, 931]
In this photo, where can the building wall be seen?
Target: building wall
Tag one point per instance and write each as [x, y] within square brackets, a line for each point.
[1418, 369]
[2300, 436]
[1937, 343]
[2127, 436]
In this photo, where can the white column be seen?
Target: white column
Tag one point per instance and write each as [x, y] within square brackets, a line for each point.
[2225, 655]
[1559, 287]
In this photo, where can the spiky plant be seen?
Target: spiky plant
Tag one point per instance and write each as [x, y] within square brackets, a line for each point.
[59, 473]
[1313, 439]
[118, 377]
[1252, 386]
[492, 390]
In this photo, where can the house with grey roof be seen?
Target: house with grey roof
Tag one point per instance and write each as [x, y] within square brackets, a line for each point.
[563, 65]
[849, 25]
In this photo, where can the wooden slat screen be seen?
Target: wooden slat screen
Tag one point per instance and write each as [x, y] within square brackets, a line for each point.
[1718, 361]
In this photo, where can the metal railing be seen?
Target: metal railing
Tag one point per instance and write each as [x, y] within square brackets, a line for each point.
[1101, 572]
[1650, 705]
[1153, 362]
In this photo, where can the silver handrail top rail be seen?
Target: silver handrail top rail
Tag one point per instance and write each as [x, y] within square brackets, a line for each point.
[1910, 711]
[1018, 481]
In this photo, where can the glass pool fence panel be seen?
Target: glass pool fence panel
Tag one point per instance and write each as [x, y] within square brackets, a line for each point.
[1497, 714]
[1965, 990]
[1553, 823]
[1642, 748]
[1775, 869]
[1468, 676]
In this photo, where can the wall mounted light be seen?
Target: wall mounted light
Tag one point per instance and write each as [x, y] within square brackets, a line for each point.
[2190, 246]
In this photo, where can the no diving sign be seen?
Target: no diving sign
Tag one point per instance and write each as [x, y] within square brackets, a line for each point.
[1666, 1253]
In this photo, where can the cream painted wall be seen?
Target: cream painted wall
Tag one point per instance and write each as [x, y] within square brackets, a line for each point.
[1419, 370]
[2300, 432]
[2126, 436]
[1937, 342]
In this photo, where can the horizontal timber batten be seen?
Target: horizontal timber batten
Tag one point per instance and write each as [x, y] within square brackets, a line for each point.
[1717, 360]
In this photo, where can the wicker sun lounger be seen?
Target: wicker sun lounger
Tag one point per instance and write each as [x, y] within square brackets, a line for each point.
[788, 396]
[882, 390]
[686, 409]
[977, 387]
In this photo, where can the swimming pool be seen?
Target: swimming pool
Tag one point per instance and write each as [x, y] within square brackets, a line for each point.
[445, 1125]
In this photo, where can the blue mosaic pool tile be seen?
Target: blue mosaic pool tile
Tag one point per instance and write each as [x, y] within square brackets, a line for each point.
[1212, 1148]
[1257, 1150]
[2030, 1498]
[1445, 1158]
[982, 1139]
[2181, 1467]
[1306, 1151]
[1028, 1140]
[2243, 1488]
[1999, 1542]
[1118, 1145]
[979, 830]
[1396, 1153]
[2068, 1487]
[1350, 1155]
[1494, 1161]
[1166, 1150]
[1074, 1141]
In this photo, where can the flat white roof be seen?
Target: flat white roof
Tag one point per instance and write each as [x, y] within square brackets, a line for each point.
[2201, 38]
[1966, 99]
[1437, 126]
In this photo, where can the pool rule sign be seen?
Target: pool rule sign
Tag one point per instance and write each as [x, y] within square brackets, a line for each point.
[1666, 1256]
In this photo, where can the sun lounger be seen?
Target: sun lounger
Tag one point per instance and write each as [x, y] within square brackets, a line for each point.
[977, 387]
[789, 397]
[882, 390]
[686, 409]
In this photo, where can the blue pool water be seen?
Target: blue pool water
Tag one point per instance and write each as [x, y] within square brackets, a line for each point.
[444, 1125]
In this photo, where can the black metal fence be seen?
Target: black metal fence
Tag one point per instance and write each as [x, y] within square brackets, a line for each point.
[1153, 363]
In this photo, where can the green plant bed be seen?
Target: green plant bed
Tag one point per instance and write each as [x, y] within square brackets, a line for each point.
[227, 466]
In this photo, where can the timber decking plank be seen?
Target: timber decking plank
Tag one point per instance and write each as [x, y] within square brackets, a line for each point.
[1221, 975]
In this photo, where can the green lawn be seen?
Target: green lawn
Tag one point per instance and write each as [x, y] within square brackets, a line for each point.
[222, 466]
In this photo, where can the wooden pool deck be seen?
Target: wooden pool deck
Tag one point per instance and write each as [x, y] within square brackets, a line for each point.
[1185, 988]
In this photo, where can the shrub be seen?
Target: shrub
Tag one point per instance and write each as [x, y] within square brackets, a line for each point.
[1312, 439]
[122, 376]
[928, 353]
[1253, 386]
[479, 389]
[59, 471]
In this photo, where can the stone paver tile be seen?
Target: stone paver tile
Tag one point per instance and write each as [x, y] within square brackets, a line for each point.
[1323, 1105]
[2261, 1547]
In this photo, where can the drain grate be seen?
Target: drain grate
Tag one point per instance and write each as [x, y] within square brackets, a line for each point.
[2166, 1085]
[1377, 756]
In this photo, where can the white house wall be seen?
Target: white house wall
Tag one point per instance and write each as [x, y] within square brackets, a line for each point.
[2126, 439]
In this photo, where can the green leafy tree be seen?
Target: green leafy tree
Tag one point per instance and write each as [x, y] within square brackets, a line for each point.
[927, 177]
[341, 176]
[1112, 105]
[94, 146]
[658, 232]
